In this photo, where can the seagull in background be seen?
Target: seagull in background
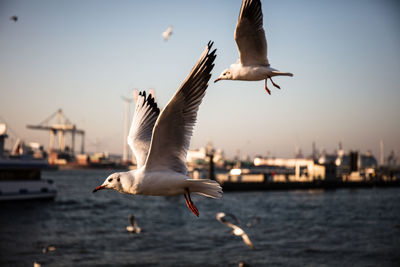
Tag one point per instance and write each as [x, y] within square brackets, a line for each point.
[160, 142]
[133, 227]
[167, 33]
[14, 18]
[49, 248]
[253, 64]
[221, 216]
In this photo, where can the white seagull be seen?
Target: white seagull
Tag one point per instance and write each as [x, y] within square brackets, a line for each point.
[253, 64]
[160, 142]
[167, 33]
[236, 229]
[133, 227]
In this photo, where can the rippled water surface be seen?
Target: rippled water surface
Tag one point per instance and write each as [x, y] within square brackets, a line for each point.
[296, 228]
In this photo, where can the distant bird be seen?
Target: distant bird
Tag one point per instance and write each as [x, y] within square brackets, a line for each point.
[14, 18]
[167, 33]
[49, 248]
[236, 229]
[133, 227]
[160, 142]
[243, 264]
[253, 64]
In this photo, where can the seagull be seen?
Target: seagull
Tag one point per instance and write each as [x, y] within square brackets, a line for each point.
[49, 248]
[253, 64]
[167, 33]
[160, 142]
[133, 227]
[243, 264]
[14, 18]
[236, 229]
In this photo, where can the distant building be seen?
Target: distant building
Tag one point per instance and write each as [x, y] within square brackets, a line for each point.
[297, 169]
[198, 156]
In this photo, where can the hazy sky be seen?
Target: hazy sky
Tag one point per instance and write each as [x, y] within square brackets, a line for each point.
[81, 56]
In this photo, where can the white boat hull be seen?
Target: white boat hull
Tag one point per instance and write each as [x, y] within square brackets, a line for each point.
[27, 190]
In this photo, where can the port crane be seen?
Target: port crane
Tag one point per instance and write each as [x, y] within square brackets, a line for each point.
[60, 127]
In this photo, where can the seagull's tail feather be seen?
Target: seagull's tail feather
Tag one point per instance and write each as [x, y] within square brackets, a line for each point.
[205, 187]
[279, 73]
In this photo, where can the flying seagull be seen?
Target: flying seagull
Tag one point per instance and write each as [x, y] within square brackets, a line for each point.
[221, 216]
[160, 142]
[167, 33]
[253, 64]
[133, 227]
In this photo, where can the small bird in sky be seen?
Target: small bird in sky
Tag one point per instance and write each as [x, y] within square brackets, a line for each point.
[253, 64]
[221, 216]
[167, 33]
[14, 18]
[160, 141]
[133, 227]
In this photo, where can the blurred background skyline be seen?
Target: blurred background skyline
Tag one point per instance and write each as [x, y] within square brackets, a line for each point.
[82, 56]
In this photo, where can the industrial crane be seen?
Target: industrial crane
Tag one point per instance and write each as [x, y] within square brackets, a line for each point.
[61, 126]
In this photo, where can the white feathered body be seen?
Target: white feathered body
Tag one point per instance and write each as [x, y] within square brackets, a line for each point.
[167, 183]
[254, 72]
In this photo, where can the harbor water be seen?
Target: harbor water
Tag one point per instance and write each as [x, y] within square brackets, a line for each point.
[346, 227]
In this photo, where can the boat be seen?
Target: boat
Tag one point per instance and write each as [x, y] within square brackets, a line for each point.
[20, 176]
[20, 179]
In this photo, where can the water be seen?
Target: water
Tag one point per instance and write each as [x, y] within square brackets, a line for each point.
[296, 228]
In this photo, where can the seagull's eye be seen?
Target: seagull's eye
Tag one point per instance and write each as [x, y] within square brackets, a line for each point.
[110, 180]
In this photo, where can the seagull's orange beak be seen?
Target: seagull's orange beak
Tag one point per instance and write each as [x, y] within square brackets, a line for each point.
[99, 188]
[217, 80]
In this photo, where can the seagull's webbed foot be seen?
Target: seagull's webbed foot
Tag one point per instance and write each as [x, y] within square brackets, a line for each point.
[266, 88]
[190, 204]
[274, 84]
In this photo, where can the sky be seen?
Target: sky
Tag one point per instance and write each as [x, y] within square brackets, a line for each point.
[82, 56]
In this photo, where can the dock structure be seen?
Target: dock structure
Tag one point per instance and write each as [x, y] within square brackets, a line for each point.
[61, 126]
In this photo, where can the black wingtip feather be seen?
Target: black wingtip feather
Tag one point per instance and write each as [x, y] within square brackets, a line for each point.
[150, 101]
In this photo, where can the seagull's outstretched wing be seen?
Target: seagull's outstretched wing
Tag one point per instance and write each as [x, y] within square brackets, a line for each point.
[247, 240]
[240, 232]
[250, 35]
[144, 118]
[174, 126]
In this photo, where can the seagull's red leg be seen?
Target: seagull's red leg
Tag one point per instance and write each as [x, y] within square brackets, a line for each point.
[193, 206]
[190, 204]
[274, 84]
[266, 88]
